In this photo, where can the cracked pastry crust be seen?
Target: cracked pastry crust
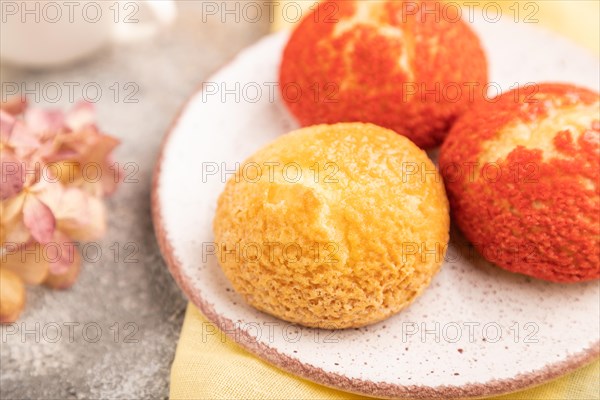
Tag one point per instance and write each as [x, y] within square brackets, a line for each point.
[532, 202]
[399, 64]
[333, 226]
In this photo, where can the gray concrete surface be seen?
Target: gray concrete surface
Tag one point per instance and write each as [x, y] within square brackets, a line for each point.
[114, 334]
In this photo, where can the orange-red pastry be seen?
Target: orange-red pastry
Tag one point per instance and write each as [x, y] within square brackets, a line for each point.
[398, 64]
[522, 175]
[333, 226]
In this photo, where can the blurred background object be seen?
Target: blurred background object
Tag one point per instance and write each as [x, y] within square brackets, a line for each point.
[42, 34]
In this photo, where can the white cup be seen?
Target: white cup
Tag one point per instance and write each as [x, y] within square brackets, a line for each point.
[45, 33]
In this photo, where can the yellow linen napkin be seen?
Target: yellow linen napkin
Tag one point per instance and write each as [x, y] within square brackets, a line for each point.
[214, 367]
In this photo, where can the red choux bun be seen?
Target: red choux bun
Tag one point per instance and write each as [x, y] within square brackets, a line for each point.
[522, 175]
[412, 67]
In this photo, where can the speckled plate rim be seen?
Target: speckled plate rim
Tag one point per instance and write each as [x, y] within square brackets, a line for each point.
[316, 374]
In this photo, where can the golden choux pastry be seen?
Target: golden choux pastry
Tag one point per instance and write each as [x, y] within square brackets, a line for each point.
[333, 226]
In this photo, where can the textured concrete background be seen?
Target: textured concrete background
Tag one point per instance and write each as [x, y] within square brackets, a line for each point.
[113, 335]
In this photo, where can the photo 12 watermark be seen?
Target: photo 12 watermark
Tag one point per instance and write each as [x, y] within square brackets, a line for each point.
[91, 252]
[82, 11]
[89, 332]
[270, 172]
[72, 91]
[270, 91]
[68, 172]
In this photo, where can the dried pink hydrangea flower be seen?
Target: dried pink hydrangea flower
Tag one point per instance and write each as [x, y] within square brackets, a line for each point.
[49, 199]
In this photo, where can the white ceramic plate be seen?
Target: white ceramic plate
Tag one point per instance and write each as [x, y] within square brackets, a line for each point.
[477, 331]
